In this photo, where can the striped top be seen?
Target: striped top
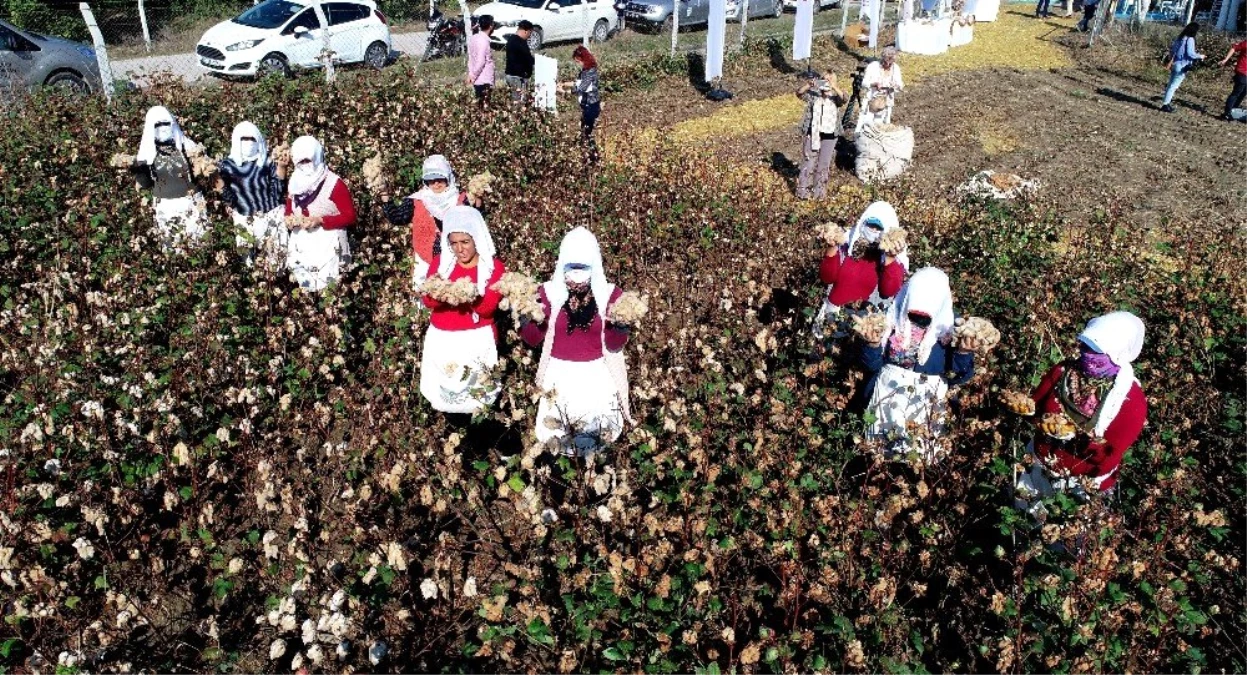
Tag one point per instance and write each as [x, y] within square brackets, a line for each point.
[253, 188]
[587, 87]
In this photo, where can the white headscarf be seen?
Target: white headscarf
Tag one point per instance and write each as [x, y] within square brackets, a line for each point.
[579, 247]
[306, 147]
[235, 146]
[927, 291]
[437, 166]
[1119, 335]
[467, 220]
[147, 144]
[885, 214]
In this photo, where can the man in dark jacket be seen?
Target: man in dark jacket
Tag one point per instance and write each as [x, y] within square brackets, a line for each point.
[519, 61]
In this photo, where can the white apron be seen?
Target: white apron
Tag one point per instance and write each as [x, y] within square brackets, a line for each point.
[584, 400]
[181, 218]
[1036, 483]
[452, 366]
[903, 398]
[315, 257]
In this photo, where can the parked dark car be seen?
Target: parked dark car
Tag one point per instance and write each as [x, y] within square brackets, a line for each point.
[30, 60]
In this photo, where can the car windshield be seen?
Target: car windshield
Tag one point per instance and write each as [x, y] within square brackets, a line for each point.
[531, 4]
[269, 14]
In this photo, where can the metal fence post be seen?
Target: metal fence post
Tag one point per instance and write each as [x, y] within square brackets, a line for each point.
[584, 23]
[147, 36]
[101, 51]
[326, 49]
[744, 19]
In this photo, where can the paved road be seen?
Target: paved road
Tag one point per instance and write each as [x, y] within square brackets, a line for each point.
[187, 67]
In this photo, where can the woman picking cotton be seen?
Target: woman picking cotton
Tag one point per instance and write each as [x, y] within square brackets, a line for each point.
[426, 208]
[460, 347]
[582, 372]
[863, 268]
[165, 164]
[319, 210]
[1088, 412]
[916, 352]
[253, 188]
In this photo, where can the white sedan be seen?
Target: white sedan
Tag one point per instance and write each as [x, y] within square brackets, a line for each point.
[553, 20]
[818, 4]
[278, 36]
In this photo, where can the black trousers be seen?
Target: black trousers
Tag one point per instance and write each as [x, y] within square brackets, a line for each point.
[1236, 95]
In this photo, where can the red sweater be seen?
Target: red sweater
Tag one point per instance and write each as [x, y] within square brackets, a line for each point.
[853, 280]
[341, 198]
[1082, 456]
[581, 345]
[459, 317]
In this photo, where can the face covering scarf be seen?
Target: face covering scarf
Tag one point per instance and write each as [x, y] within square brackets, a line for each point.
[581, 306]
[164, 133]
[1097, 365]
[249, 149]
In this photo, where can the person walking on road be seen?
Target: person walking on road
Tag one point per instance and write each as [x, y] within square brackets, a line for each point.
[1235, 100]
[481, 60]
[1182, 57]
[519, 71]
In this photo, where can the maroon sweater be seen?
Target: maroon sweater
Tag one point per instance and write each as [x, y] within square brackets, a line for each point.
[580, 345]
[853, 280]
[1084, 456]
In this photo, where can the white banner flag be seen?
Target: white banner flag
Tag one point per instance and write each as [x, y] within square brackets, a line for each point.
[803, 30]
[716, 39]
[876, 18]
[545, 82]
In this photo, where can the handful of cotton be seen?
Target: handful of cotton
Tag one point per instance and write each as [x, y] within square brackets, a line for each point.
[975, 335]
[832, 234]
[894, 242]
[1058, 426]
[870, 328]
[519, 295]
[628, 310]
[121, 161]
[480, 185]
[202, 165]
[458, 292]
[374, 175]
[1018, 403]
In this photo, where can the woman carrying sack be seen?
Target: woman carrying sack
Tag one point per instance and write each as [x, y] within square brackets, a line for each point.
[253, 188]
[820, 128]
[461, 344]
[164, 166]
[1087, 411]
[319, 210]
[582, 372]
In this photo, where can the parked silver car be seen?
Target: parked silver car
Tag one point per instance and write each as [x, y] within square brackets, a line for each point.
[656, 14]
[29, 60]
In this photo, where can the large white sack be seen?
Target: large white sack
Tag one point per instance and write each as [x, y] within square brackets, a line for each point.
[883, 151]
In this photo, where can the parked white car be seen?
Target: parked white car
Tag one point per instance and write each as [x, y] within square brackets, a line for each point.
[553, 20]
[818, 4]
[278, 36]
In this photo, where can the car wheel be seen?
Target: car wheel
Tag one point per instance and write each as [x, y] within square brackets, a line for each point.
[601, 30]
[377, 55]
[273, 64]
[68, 82]
[536, 39]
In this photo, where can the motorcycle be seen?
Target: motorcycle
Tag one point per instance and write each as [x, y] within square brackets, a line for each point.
[447, 37]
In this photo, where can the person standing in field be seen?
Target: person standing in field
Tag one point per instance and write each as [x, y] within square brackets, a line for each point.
[880, 83]
[1089, 8]
[1182, 57]
[163, 165]
[860, 276]
[426, 208]
[589, 94]
[1238, 52]
[820, 128]
[519, 70]
[481, 60]
[253, 188]
[1088, 411]
[319, 209]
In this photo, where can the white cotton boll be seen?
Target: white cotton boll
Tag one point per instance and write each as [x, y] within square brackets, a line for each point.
[315, 654]
[428, 588]
[337, 624]
[235, 565]
[394, 556]
[271, 550]
[53, 466]
[343, 650]
[548, 516]
[85, 550]
[288, 622]
[376, 652]
[277, 649]
[370, 575]
[335, 603]
[604, 514]
[296, 663]
[309, 633]
[469, 587]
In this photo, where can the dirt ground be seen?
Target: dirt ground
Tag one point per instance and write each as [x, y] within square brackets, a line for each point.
[1092, 135]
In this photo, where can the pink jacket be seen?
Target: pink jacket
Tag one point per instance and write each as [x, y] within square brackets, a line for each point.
[480, 59]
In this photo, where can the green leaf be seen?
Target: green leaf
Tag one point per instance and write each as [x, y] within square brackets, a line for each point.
[613, 654]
